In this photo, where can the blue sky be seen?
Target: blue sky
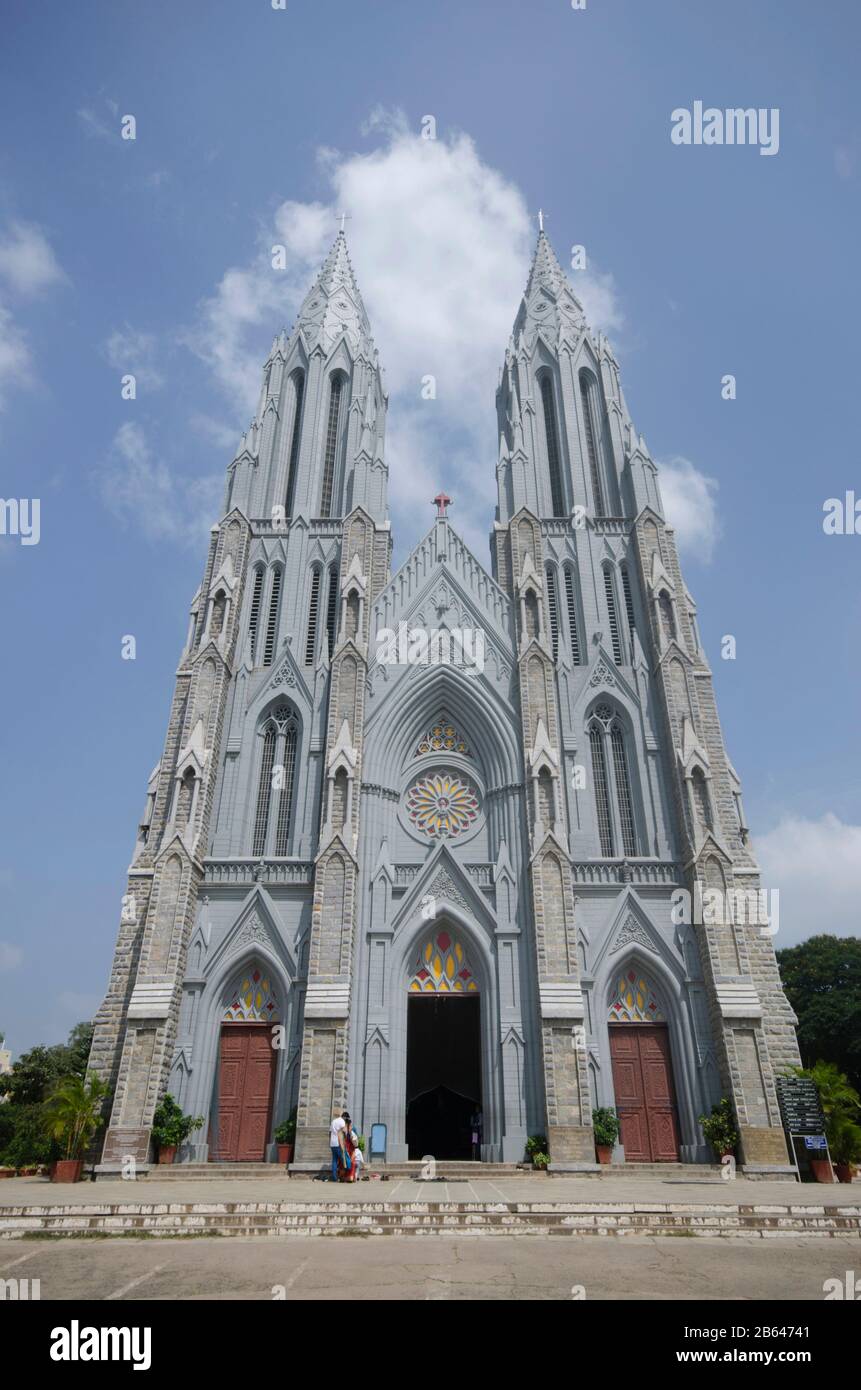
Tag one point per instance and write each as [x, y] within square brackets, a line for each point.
[255, 127]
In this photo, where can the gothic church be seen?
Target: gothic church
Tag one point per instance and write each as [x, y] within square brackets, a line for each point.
[440, 887]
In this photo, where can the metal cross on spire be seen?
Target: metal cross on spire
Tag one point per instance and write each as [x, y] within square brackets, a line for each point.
[541, 219]
[345, 217]
[441, 501]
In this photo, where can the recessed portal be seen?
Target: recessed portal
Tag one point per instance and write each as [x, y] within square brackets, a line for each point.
[443, 1074]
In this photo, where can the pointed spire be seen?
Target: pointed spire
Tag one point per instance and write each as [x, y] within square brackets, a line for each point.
[549, 303]
[333, 306]
[545, 269]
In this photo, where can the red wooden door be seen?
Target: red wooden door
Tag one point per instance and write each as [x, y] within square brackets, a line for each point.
[645, 1096]
[245, 1090]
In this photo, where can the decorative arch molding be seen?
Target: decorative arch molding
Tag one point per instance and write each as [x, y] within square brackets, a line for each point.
[397, 721]
[630, 927]
[451, 892]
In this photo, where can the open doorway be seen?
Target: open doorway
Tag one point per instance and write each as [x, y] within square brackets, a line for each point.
[443, 1075]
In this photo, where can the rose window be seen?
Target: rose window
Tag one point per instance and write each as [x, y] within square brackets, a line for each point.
[442, 805]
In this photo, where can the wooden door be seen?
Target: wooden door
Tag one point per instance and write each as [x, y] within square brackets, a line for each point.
[246, 1084]
[645, 1096]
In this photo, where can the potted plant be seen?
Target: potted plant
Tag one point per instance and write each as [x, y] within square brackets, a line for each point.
[844, 1140]
[285, 1138]
[605, 1123]
[170, 1128]
[536, 1144]
[540, 1160]
[719, 1129]
[72, 1116]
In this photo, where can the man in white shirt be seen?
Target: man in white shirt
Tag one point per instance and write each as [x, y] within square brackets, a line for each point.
[338, 1124]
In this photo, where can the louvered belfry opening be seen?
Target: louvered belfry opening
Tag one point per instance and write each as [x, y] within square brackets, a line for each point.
[551, 431]
[331, 447]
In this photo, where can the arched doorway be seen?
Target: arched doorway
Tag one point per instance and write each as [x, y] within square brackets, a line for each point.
[246, 1067]
[443, 1091]
[643, 1083]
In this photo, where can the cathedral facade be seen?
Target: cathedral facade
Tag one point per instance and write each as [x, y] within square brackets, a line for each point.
[459, 848]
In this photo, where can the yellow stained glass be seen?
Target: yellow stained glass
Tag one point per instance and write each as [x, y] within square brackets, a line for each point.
[442, 966]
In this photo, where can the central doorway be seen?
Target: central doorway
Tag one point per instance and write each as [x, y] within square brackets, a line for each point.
[443, 1074]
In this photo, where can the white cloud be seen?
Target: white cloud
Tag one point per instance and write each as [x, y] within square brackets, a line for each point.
[15, 357]
[27, 261]
[27, 267]
[816, 867]
[10, 956]
[690, 506]
[143, 491]
[96, 125]
[129, 350]
[441, 244]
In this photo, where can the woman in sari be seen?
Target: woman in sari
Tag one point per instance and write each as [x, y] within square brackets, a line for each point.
[346, 1166]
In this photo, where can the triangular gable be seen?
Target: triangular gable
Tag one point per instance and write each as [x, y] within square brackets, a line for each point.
[443, 879]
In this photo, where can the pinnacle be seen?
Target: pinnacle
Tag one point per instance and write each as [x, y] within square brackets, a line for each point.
[546, 270]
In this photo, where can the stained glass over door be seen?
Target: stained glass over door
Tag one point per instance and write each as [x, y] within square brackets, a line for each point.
[253, 999]
[443, 968]
[635, 1000]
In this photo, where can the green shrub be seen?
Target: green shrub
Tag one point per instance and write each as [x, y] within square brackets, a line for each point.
[605, 1123]
[170, 1127]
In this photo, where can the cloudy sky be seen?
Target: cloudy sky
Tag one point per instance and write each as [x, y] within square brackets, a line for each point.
[257, 127]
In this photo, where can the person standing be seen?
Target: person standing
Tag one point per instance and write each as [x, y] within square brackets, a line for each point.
[336, 1130]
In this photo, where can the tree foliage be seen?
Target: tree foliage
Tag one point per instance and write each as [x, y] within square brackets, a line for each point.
[822, 979]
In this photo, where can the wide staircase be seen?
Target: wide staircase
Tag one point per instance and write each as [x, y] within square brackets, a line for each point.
[442, 1171]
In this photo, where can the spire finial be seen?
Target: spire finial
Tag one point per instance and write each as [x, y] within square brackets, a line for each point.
[345, 217]
[541, 219]
[441, 501]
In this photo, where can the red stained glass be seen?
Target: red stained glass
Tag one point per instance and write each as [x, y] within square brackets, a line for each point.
[443, 941]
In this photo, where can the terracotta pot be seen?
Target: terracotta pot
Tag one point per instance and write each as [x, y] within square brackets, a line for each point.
[285, 1153]
[843, 1171]
[167, 1154]
[7, 1172]
[821, 1169]
[67, 1170]
[604, 1152]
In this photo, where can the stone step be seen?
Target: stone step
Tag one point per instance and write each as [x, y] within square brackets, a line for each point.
[273, 1219]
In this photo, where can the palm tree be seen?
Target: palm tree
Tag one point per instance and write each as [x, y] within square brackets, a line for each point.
[72, 1112]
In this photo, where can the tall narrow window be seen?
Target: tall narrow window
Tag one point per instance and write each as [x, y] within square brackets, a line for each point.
[623, 791]
[313, 614]
[571, 603]
[629, 602]
[299, 397]
[701, 799]
[272, 624]
[553, 605]
[602, 794]
[331, 448]
[332, 608]
[264, 792]
[254, 615]
[551, 431]
[612, 616]
[586, 391]
[668, 621]
[285, 802]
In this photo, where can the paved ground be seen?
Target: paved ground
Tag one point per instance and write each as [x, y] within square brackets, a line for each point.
[373, 1267]
[39, 1192]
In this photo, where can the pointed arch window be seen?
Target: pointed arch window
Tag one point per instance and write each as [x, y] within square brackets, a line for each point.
[216, 621]
[588, 388]
[252, 997]
[313, 617]
[272, 622]
[553, 606]
[332, 608]
[273, 821]
[254, 613]
[551, 432]
[614, 798]
[629, 601]
[571, 605]
[330, 454]
[298, 379]
[612, 614]
[602, 792]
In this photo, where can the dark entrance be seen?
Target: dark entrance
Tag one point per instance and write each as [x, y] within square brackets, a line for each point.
[443, 1075]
